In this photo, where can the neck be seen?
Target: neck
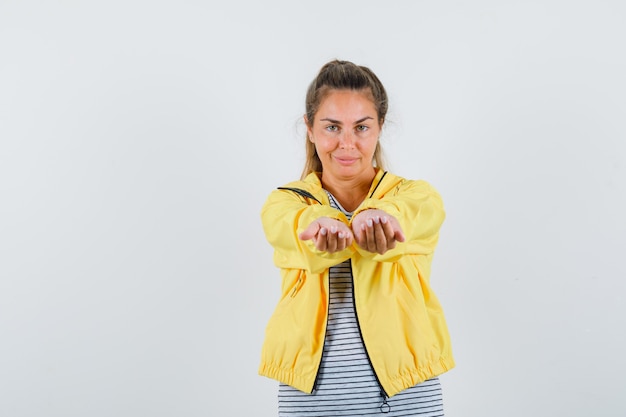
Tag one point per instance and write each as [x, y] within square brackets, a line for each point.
[351, 192]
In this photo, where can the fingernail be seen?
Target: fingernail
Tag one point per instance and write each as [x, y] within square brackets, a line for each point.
[340, 235]
[383, 220]
[333, 229]
[376, 219]
[370, 223]
[323, 231]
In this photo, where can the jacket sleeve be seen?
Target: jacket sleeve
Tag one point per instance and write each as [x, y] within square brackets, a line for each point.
[284, 216]
[418, 207]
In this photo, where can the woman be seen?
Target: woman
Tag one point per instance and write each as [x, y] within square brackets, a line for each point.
[357, 330]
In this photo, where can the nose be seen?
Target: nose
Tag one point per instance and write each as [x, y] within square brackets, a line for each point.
[346, 140]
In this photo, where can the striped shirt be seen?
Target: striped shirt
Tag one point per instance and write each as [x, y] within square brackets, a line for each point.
[346, 384]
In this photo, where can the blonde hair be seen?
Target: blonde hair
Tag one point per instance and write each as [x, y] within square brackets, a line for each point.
[342, 75]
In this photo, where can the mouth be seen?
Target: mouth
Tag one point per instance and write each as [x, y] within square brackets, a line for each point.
[344, 160]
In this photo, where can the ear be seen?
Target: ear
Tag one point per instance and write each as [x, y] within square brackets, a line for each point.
[309, 130]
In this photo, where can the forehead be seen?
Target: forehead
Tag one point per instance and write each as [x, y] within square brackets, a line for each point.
[347, 103]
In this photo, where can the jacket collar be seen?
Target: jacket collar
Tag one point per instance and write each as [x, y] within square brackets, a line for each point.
[312, 184]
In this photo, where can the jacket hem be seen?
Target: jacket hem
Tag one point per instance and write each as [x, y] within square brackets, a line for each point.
[300, 382]
[395, 384]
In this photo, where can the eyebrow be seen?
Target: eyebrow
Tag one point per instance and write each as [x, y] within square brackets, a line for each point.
[338, 122]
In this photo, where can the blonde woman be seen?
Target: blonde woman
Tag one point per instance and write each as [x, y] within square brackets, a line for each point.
[358, 330]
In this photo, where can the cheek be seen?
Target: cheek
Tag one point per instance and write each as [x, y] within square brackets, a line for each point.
[324, 143]
[367, 147]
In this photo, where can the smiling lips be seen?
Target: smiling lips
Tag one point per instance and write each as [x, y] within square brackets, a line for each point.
[345, 160]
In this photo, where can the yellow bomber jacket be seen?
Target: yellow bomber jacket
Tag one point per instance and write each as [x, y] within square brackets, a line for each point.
[401, 321]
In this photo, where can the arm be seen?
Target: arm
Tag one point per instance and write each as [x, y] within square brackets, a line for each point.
[286, 217]
[418, 209]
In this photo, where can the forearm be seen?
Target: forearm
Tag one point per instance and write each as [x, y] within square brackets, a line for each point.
[418, 209]
[284, 217]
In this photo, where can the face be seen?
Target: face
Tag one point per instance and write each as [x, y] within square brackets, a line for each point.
[345, 133]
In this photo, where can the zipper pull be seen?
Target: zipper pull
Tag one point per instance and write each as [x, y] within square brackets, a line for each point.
[384, 407]
[296, 287]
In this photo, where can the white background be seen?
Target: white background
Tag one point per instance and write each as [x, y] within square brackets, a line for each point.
[139, 139]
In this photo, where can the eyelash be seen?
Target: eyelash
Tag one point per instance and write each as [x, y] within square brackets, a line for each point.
[335, 128]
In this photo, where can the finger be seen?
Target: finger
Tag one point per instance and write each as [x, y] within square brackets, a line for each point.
[370, 237]
[398, 234]
[389, 232]
[331, 240]
[380, 237]
[394, 227]
[321, 242]
[387, 228]
[349, 239]
[363, 237]
[357, 232]
[310, 232]
[359, 235]
[345, 240]
[341, 241]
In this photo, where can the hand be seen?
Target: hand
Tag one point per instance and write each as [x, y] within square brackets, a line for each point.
[376, 231]
[329, 235]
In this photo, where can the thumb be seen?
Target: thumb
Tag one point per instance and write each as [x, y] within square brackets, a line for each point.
[310, 232]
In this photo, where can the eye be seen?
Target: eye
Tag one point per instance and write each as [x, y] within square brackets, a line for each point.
[332, 128]
[362, 128]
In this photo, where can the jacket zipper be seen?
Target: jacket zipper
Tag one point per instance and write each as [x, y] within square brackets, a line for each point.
[319, 365]
[300, 192]
[296, 287]
[384, 407]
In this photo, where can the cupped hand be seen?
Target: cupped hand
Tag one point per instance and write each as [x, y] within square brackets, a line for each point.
[329, 235]
[376, 231]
